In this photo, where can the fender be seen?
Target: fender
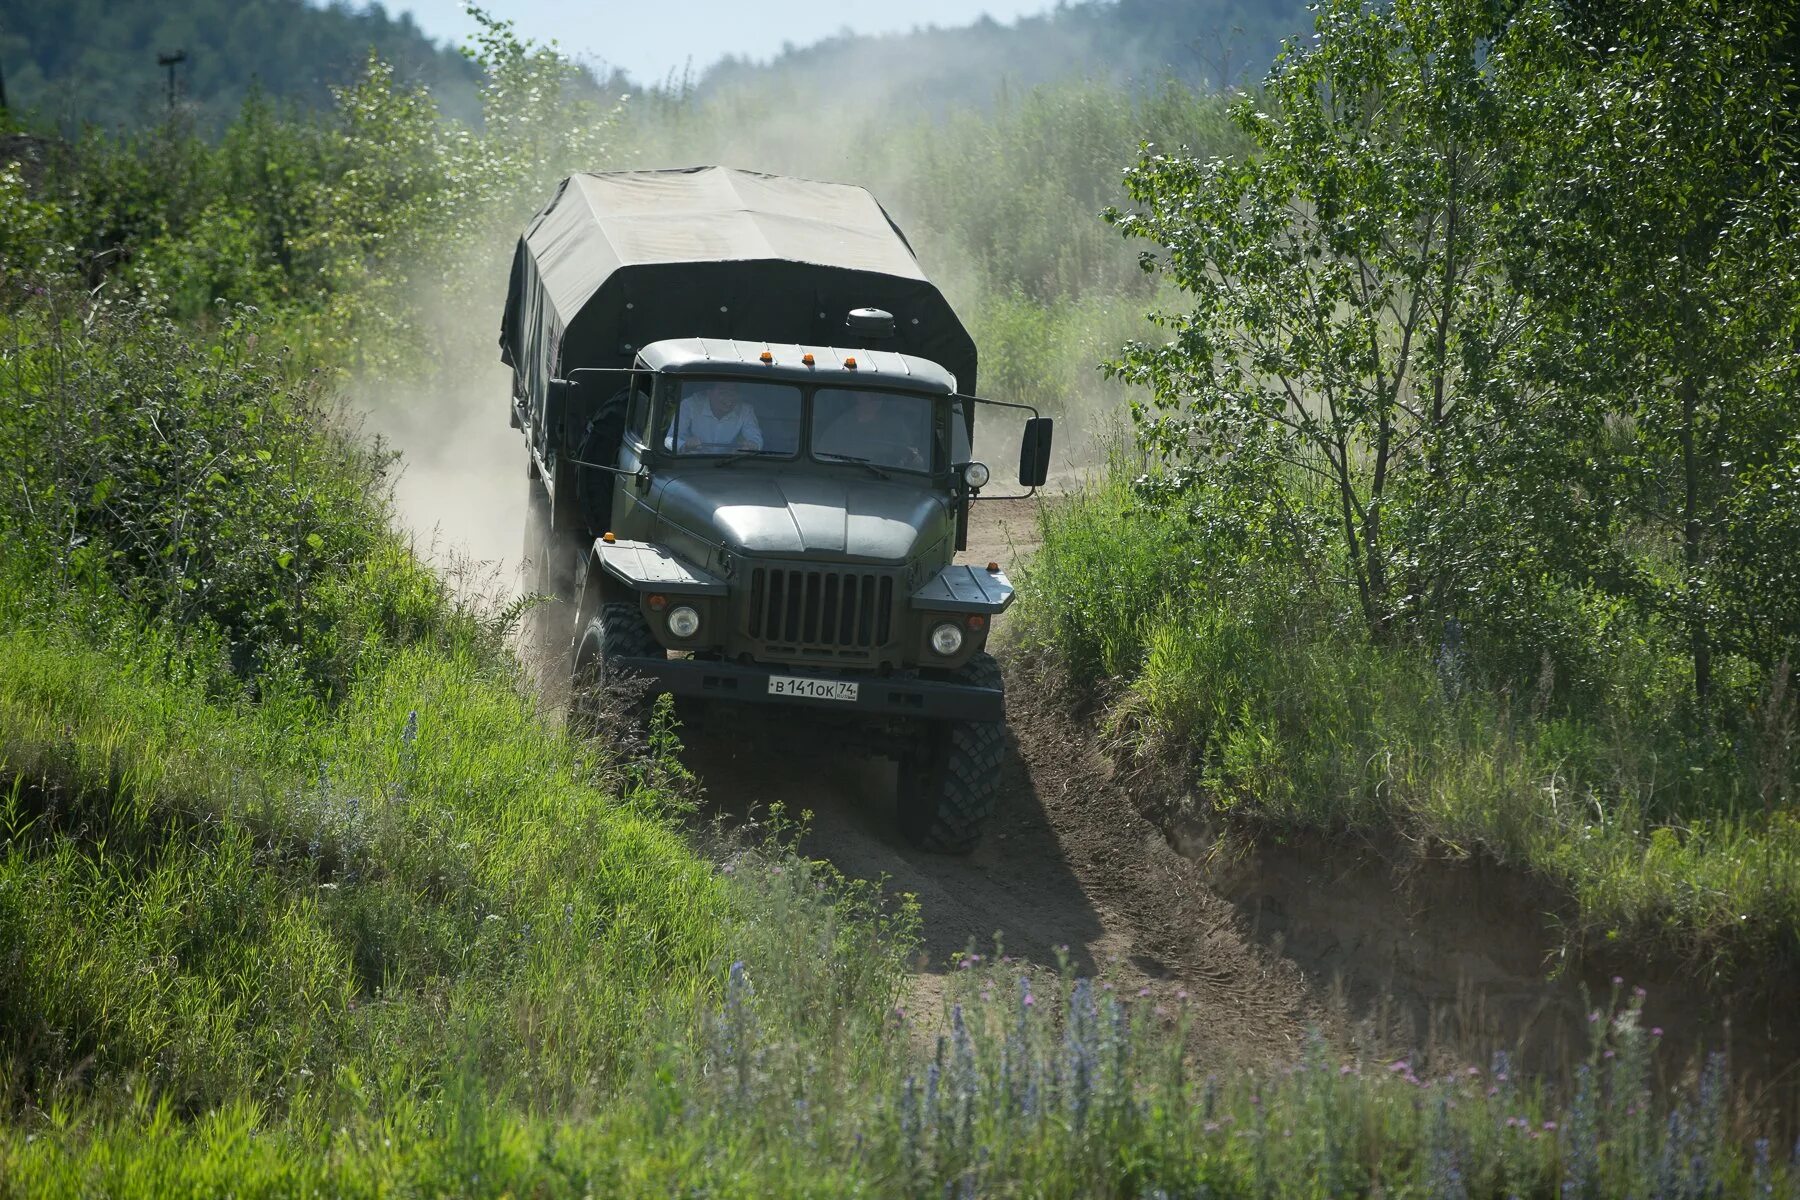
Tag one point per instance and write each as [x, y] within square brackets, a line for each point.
[962, 589]
[647, 567]
[627, 569]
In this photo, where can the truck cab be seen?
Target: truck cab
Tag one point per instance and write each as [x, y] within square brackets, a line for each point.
[823, 491]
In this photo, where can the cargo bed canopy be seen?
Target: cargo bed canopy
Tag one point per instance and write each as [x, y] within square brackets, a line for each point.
[618, 260]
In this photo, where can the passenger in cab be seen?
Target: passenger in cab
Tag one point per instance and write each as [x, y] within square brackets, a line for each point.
[872, 427]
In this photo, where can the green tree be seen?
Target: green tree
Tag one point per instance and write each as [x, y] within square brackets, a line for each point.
[1654, 234]
[1340, 277]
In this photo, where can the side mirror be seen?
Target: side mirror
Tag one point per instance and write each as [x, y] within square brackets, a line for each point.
[1034, 452]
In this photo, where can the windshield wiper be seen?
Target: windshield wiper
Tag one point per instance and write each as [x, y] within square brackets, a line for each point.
[864, 463]
[739, 457]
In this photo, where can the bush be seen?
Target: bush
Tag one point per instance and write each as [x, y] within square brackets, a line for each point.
[192, 475]
[1286, 713]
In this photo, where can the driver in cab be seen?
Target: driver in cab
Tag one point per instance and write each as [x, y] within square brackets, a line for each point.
[875, 427]
[715, 419]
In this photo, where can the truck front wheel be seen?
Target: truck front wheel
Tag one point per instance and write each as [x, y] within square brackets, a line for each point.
[601, 688]
[950, 780]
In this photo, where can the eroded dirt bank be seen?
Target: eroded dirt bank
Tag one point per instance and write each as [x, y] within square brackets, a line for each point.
[1066, 863]
[1387, 954]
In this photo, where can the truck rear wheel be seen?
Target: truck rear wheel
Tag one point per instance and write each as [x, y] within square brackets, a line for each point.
[948, 784]
[601, 689]
[550, 559]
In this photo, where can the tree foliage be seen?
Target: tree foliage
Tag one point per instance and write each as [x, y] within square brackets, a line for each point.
[1653, 231]
[1499, 313]
[355, 222]
[80, 62]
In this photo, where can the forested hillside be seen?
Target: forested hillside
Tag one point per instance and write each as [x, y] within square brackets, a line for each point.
[1140, 42]
[96, 60]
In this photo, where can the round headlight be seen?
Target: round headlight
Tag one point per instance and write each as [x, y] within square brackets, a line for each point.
[976, 475]
[684, 622]
[947, 638]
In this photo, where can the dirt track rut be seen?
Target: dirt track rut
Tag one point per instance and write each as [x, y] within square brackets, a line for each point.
[1067, 862]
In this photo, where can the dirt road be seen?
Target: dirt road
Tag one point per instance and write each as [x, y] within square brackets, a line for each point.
[1067, 862]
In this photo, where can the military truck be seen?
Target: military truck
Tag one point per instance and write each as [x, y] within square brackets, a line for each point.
[750, 419]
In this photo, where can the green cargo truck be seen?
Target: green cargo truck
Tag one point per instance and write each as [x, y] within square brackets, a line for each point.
[750, 420]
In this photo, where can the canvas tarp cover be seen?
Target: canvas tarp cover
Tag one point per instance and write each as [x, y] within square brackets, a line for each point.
[619, 260]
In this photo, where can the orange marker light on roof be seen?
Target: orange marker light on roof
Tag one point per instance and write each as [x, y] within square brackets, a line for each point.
[850, 364]
[608, 537]
[994, 567]
[807, 359]
[766, 356]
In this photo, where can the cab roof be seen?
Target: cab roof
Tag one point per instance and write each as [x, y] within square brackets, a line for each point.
[741, 359]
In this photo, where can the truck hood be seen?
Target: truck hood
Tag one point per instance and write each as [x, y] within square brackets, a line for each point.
[783, 515]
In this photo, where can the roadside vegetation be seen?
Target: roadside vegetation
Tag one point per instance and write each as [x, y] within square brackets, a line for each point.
[300, 893]
[1461, 509]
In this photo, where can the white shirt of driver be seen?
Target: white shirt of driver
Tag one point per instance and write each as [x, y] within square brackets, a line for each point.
[699, 423]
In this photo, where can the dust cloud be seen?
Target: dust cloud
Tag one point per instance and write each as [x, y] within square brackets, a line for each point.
[460, 490]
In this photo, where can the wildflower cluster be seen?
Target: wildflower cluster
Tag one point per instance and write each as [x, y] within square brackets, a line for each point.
[1029, 1076]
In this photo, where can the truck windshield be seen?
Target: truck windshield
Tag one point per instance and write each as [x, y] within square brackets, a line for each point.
[885, 429]
[732, 416]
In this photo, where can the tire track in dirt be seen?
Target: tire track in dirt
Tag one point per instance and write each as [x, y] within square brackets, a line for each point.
[1067, 862]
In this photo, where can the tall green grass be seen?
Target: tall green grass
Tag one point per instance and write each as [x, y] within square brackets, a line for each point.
[225, 900]
[1038, 1085]
[1259, 680]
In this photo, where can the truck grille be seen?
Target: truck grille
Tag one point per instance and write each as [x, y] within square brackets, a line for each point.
[838, 613]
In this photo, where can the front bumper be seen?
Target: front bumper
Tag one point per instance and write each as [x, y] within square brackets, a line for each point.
[877, 696]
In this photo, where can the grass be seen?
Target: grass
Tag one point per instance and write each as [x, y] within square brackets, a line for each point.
[1039, 1085]
[1286, 716]
[224, 900]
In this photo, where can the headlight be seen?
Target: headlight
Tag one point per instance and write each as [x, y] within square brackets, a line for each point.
[947, 638]
[684, 622]
[976, 475]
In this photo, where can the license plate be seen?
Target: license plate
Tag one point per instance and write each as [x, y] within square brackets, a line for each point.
[812, 689]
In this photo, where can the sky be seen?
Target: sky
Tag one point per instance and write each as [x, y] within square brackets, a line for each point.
[649, 41]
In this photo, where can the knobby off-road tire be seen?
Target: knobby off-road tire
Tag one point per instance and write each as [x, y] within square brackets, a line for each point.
[602, 692]
[948, 785]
